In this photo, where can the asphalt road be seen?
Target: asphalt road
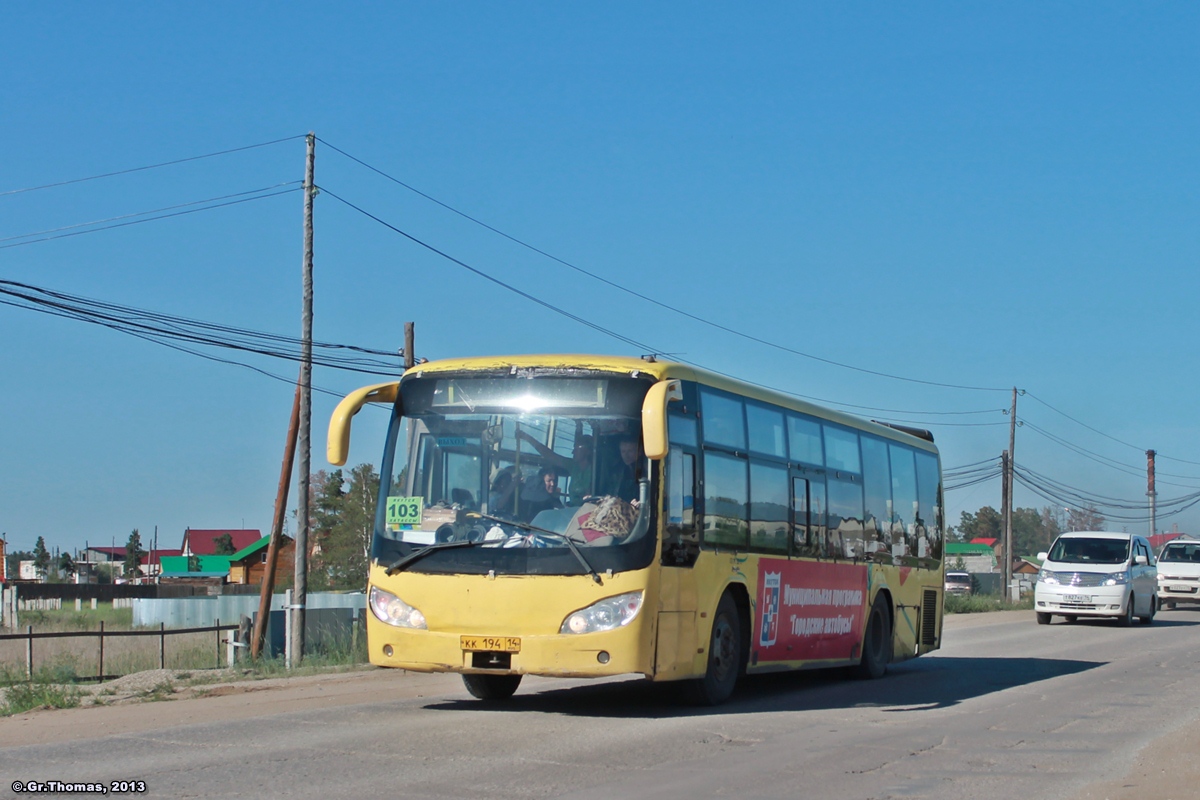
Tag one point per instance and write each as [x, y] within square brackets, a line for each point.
[1006, 709]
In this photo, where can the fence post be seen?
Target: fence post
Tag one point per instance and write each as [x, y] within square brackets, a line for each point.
[79, 604]
[29, 654]
[162, 645]
[218, 642]
[93, 604]
[101, 675]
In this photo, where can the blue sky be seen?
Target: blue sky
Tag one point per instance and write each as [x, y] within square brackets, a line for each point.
[983, 197]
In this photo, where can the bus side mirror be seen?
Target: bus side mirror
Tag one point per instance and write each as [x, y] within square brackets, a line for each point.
[654, 417]
[338, 447]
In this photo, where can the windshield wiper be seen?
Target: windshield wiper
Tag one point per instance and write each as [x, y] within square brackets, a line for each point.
[574, 548]
[404, 562]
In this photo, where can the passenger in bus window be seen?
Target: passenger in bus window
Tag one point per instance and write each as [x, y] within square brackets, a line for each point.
[504, 488]
[542, 495]
[623, 482]
[578, 467]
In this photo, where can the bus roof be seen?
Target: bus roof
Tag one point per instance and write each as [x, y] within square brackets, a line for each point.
[660, 370]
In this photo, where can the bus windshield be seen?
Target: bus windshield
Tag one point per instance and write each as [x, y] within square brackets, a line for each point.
[527, 471]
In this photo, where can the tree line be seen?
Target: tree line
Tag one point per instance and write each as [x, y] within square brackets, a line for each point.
[1033, 529]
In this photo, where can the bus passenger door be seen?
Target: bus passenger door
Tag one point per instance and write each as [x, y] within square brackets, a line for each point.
[675, 654]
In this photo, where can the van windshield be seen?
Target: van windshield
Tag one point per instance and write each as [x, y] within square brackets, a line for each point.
[1079, 549]
[1181, 552]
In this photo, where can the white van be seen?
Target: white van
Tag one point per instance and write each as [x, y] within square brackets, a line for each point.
[1097, 574]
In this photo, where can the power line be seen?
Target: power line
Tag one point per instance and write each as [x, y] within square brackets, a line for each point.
[152, 219]
[651, 300]
[144, 213]
[149, 166]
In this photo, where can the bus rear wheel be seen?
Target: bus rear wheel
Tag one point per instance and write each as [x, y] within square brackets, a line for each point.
[492, 687]
[877, 641]
[725, 657]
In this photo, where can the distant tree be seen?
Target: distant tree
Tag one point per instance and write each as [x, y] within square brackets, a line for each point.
[133, 556]
[66, 565]
[987, 524]
[959, 565]
[1087, 518]
[1033, 530]
[224, 545]
[343, 519]
[193, 563]
[41, 558]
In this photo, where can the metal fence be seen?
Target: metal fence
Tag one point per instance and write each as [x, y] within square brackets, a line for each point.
[162, 633]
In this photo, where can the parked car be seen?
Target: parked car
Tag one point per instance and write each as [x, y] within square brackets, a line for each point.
[958, 583]
[1097, 574]
[1179, 573]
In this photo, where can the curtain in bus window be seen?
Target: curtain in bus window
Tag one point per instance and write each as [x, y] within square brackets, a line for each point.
[904, 501]
[769, 507]
[845, 518]
[725, 499]
[724, 423]
[877, 489]
[929, 511]
[765, 426]
[841, 449]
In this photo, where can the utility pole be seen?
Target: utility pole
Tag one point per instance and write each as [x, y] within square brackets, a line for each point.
[281, 496]
[300, 595]
[1008, 515]
[410, 358]
[1005, 510]
[1150, 492]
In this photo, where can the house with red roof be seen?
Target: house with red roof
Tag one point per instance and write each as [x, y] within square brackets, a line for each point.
[203, 542]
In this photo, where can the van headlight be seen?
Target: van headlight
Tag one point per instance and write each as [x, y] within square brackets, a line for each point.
[1117, 579]
[1046, 576]
[606, 615]
[392, 610]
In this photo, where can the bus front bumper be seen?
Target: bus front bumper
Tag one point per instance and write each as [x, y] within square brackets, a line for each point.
[589, 655]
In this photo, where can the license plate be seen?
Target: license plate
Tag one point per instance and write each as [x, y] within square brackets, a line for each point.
[1184, 589]
[1077, 598]
[491, 644]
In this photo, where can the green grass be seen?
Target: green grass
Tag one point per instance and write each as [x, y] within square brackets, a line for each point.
[22, 697]
[976, 603]
[68, 619]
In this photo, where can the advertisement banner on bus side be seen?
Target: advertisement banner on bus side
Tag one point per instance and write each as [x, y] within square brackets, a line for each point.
[809, 610]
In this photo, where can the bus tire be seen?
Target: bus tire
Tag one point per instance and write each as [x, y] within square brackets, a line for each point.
[725, 657]
[491, 687]
[877, 641]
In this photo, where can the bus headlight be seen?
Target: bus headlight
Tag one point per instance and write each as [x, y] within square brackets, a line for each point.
[394, 611]
[606, 615]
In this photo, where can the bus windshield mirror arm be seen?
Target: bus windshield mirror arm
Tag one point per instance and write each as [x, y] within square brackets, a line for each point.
[404, 562]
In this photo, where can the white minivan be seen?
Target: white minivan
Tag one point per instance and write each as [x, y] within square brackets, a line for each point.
[1097, 574]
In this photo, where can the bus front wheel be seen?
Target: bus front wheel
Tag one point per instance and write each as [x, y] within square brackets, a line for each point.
[492, 687]
[877, 641]
[725, 657]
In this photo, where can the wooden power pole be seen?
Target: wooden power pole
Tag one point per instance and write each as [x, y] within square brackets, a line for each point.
[1150, 491]
[1008, 507]
[281, 498]
[300, 589]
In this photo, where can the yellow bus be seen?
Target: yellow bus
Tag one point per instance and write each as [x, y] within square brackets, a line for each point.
[586, 516]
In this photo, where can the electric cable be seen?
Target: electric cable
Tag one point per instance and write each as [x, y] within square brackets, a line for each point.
[651, 300]
[151, 166]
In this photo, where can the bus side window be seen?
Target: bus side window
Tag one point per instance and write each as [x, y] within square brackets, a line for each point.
[808, 506]
[681, 543]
